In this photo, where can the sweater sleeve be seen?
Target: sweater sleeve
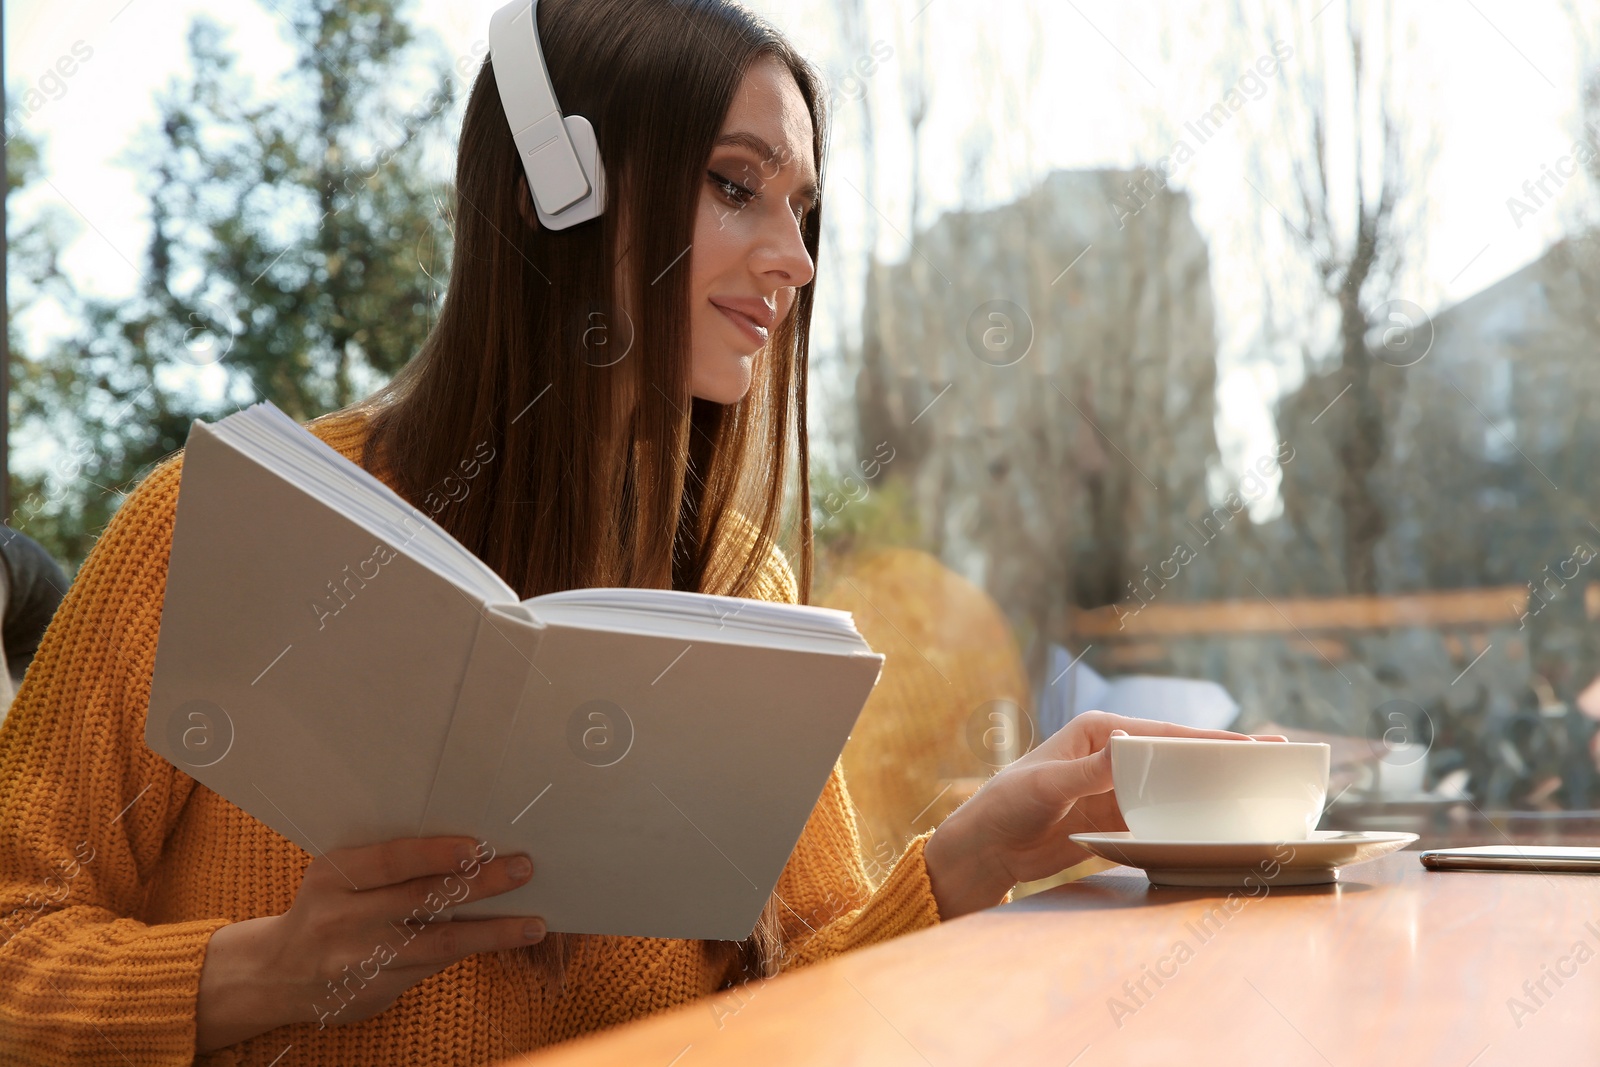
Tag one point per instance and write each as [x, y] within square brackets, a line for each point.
[85, 808]
[827, 904]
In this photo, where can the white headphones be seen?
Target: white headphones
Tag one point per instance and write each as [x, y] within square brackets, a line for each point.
[560, 155]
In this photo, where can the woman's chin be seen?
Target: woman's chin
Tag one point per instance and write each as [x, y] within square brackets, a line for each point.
[729, 383]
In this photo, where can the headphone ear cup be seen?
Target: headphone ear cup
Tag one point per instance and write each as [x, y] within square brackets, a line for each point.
[588, 150]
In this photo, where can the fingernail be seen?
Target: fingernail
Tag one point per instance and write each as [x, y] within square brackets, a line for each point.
[520, 867]
[1119, 733]
[533, 929]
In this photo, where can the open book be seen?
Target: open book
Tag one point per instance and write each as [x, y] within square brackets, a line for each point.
[337, 665]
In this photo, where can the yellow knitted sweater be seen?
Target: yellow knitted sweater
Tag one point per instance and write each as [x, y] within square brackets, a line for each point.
[116, 867]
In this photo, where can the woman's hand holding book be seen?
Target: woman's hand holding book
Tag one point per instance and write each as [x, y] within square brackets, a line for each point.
[364, 927]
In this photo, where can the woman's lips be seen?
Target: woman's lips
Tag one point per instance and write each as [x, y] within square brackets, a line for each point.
[757, 334]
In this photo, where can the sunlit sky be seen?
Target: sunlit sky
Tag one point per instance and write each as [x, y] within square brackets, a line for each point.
[1495, 80]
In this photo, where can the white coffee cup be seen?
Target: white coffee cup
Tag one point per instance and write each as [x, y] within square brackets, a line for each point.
[1401, 770]
[1199, 789]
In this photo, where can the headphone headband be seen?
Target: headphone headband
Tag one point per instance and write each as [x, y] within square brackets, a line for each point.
[559, 155]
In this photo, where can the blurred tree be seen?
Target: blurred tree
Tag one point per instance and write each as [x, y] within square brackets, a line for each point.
[871, 396]
[296, 254]
[33, 252]
[34, 245]
[1585, 21]
[1358, 161]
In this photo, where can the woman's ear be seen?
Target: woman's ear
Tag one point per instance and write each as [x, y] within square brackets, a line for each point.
[525, 203]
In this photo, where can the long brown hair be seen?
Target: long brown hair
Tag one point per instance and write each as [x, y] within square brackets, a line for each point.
[604, 470]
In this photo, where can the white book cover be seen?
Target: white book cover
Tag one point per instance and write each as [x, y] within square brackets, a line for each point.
[336, 665]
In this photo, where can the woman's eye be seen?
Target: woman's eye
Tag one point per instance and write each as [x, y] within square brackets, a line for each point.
[735, 192]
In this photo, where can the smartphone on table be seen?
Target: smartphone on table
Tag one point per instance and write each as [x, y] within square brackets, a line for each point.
[1543, 858]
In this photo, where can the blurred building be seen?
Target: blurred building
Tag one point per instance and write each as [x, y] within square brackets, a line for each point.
[1045, 371]
[1488, 474]
[1483, 627]
[1502, 427]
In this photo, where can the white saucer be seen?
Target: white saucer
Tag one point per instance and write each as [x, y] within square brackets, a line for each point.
[1313, 861]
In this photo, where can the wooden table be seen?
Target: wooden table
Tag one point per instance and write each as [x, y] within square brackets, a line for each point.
[1467, 824]
[1394, 965]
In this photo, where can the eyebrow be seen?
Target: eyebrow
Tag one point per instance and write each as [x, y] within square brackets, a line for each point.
[745, 139]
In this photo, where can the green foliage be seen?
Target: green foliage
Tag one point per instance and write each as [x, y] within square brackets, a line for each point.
[297, 254]
[852, 514]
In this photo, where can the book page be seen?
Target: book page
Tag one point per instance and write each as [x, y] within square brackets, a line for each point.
[277, 442]
[706, 615]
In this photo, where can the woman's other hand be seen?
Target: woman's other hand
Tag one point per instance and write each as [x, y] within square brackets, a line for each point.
[1017, 827]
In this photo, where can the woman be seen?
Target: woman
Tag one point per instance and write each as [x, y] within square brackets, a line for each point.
[31, 587]
[638, 430]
